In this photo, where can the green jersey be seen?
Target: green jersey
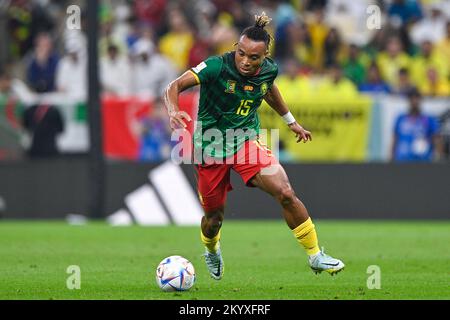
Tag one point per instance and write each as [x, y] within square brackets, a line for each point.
[228, 102]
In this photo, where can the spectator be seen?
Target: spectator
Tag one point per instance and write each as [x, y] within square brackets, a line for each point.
[391, 60]
[199, 52]
[177, 43]
[223, 34]
[431, 27]
[133, 34]
[374, 83]
[71, 73]
[44, 123]
[336, 85]
[292, 83]
[10, 114]
[300, 41]
[406, 11]
[115, 72]
[443, 46]
[378, 42]
[151, 71]
[353, 66]
[14, 90]
[108, 35]
[350, 19]
[416, 134]
[41, 70]
[333, 48]
[155, 144]
[404, 83]
[428, 59]
[318, 31]
[285, 19]
[434, 85]
[150, 13]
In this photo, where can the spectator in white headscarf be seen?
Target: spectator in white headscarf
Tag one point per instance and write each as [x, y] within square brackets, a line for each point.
[152, 72]
[71, 74]
[115, 72]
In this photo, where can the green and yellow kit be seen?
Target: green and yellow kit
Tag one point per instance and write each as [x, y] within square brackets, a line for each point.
[229, 101]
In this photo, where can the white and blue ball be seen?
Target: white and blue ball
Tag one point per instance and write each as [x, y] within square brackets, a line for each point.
[175, 273]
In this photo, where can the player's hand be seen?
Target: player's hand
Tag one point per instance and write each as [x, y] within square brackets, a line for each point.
[177, 119]
[300, 133]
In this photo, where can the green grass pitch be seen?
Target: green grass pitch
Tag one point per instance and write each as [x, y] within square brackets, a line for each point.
[262, 260]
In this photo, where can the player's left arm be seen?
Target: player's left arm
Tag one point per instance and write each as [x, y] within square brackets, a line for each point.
[275, 101]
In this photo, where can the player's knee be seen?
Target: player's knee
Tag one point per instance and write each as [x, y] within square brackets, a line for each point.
[285, 195]
[214, 219]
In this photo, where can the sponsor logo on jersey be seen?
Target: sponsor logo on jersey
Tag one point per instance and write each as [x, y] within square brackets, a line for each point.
[264, 88]
[231, 86]
[248, 88]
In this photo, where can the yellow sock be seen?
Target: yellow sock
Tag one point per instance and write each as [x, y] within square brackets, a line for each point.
[211, 244]
[307, 237]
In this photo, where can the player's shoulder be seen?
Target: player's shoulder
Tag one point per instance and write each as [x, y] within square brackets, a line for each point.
[216, 59]
[270, 66]
[212, 62]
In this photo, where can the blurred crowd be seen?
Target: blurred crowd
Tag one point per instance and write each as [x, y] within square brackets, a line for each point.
[319, 45]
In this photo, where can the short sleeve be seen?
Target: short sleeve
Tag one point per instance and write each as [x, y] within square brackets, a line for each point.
[208, 70]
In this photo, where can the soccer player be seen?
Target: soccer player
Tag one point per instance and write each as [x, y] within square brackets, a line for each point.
[232, 87]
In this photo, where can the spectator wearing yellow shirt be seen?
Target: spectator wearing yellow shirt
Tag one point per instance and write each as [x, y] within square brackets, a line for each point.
[443, 46]
[177, 43]
[392, 60]
[337, 86]
[318, 31]
[434, 85]
[301, 43]
[428, 59]
[224, 34]
[292, 83]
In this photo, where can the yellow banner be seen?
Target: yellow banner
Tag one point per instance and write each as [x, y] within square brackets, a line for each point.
[339, 127]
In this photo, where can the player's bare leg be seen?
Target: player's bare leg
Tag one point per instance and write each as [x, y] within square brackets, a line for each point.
[277, 185]
[210, 235]
[212, 222]
[297, 218]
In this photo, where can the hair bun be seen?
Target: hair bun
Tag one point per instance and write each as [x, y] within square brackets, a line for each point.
[262, 20]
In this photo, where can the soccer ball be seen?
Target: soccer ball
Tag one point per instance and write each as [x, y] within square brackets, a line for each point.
[175, 273]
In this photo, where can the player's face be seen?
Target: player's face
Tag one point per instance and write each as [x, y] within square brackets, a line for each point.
[249, 55]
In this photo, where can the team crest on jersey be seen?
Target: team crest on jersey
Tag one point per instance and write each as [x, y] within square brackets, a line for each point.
[264, 88]
[231, 86]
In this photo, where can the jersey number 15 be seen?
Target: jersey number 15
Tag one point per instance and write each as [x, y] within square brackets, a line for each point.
[244, 108]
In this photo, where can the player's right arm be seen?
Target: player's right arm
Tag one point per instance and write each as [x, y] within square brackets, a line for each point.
[204, 73]
[185, 81]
